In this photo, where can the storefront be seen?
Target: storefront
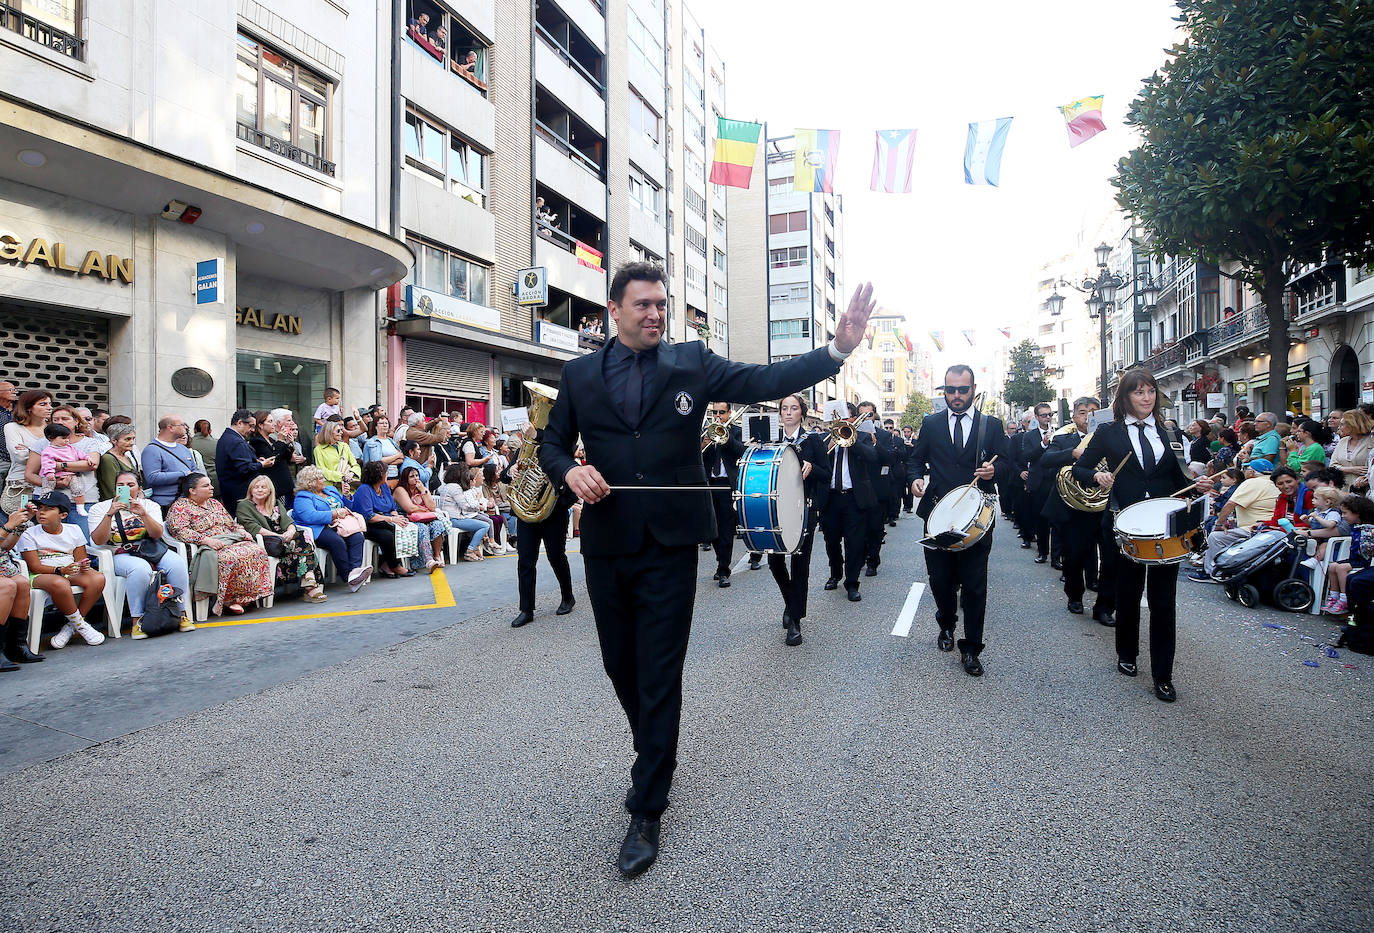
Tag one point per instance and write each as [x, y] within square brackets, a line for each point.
[1300, 397]
[37, 343]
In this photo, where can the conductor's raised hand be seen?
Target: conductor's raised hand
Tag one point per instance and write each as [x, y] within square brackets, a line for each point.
[588, 483]
[849, 330]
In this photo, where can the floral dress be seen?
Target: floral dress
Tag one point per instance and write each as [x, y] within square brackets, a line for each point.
[242, 565]
[298, 555]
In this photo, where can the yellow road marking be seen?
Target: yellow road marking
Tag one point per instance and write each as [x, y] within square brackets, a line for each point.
[443, 599]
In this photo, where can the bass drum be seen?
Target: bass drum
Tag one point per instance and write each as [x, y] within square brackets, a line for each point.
[771, 499]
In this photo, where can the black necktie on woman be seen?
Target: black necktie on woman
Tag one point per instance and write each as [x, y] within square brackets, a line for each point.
[1147, 450]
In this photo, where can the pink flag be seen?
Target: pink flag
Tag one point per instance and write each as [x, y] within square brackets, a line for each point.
[893, 154]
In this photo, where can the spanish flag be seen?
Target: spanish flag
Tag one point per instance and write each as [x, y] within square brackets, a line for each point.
[817, 152]
[1083, 119]
[737, 142]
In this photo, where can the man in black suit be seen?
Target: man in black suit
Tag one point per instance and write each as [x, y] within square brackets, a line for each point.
[637, 404]
[1010, 487]
[880, 474]
[235, 462]
[721, 462]
[904, 443]
[897, 482]
[849, 500]
[1080, 531]
[1032, 445]
[954, 448]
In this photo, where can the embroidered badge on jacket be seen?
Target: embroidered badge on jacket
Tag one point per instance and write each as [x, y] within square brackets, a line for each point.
[683, 403]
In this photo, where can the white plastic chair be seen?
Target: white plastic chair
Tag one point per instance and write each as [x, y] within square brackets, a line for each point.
[116, 587]
[457, 540]
[38, 604]
[1337, 552]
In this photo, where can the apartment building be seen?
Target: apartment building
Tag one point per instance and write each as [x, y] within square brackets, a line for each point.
[786, 257]
[887, 361]
[195, 216]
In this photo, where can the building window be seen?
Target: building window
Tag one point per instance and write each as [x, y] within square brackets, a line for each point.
[786, 258]
[782, 358]
[717, 85]
[718, 293]
[645, 43]
[445, 38]
[889, 404]
[282, 106]
[784, 294]
[695, 238]
[694, 201]
[643, 119]
[692, 165]
[889, 385]
[643, 255]
[889, 366]
[781, 181]
[794, 222]
[785, 330]
[718, 257]
[720, 329]
[644, 194]
[445, 158]
[444, 271]
[695, 128]
[51, 23]
[718, 223]
[696, 277]
[693, 89]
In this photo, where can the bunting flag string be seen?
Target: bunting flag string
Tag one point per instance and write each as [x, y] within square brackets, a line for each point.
[968, 335]
[937, 337]
[983, 151]
[1083, 119]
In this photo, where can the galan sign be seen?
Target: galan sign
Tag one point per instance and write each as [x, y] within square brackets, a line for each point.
[39, 251]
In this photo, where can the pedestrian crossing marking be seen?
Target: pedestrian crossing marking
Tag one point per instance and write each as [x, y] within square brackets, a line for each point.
[908, 614]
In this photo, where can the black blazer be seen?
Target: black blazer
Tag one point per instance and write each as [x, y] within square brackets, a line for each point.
[664, 448]
[1132, 485]
[235, 465]
[1054, 458]
[280, 471]
[811, 449]
[1030, 450]
[934, 455]
[887, 457]
[863, 460]
[730, 452]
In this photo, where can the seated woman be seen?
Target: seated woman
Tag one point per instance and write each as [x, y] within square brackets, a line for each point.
[1357, 513]
[498, 507]
[125, 522]
[55, 553]
[464, 508]
[259, 514]
[414, 500]
[334, 457]
[229, 565]
[374, 502]
[1295, 499]
[323, 511]
[14, 592]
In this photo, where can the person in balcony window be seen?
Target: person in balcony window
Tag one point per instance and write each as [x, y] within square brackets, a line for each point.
[419, 26]
[440, 41]
[546, 218]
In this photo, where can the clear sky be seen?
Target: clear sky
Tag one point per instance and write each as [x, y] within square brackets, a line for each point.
[949, 256]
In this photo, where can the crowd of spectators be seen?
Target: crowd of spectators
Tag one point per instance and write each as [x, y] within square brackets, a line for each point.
[264, 509]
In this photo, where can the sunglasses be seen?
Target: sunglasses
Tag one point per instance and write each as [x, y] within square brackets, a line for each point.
[956, 390]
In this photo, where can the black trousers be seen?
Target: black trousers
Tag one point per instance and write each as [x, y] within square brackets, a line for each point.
[961, 578]
[845, 527]
[1109, 557]
[722, 500]
[1159, 584]
[643, 608]
[1082, 538]
[908, 500]
[1033, 523]
[875, 533]
[793, 572]
[894, 502]
[383, 534]
[553, 532]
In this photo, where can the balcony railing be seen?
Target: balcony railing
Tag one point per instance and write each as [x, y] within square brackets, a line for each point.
[569, 60]
[63, 43]
[1239, 329]
[571, 243]
[1167, 358]
[568, 149]
[305, 157]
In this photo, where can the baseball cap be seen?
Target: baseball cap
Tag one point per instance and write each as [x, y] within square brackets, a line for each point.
[1261, 465]
[54, 500]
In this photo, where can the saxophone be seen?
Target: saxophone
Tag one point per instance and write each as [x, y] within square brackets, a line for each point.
[532, 496]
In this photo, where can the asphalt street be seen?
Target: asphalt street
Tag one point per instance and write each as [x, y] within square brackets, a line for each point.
[451, 773]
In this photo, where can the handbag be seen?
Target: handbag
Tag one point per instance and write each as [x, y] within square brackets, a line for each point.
[161, 607]
[13, 496]
[150, 549]
[423, 517]
[350, 525]
[274, 546]
[407, 542]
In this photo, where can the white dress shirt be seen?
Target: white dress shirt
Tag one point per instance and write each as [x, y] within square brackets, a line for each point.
[1151, 432]
[845, 481]
[968, 425]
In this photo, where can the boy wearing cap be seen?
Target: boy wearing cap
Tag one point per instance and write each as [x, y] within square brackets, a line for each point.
[55, 553]
[1252, 502]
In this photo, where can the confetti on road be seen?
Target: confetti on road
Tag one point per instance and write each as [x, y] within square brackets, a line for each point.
[1312, 663]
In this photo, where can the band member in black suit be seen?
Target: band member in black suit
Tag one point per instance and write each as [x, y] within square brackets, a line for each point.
[552, 532]
[722, 471]
[793, 572]
[880, 474]
[1010, 487]
[848, 502]
[954, 448]
[1079, 530]
[1151, 470]
[908, 437]
[897, 481]
[637, 404]
[1033, 444]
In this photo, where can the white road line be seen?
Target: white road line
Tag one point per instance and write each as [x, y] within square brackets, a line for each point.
[740, 564]
[908, 613]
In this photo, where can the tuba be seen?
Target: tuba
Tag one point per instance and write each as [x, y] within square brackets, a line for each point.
[1076, 496]
[532, 496]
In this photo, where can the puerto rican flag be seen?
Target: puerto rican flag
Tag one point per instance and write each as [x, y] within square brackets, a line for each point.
[893, 154]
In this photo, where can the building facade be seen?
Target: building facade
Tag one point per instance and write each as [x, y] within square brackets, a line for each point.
[195, 220]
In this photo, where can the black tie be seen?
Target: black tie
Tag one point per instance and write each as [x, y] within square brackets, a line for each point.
[959, 433]
[839, 468]
[634, 390]
[1147, 450]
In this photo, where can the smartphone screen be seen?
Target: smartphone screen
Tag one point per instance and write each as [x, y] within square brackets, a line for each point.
[122, 493]
[24, 501]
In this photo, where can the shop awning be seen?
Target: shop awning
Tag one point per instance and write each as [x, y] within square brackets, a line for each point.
[294, 242]
[1296, 374]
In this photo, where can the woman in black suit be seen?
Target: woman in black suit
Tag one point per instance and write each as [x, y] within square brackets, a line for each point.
[792, 573]
[1151, 471]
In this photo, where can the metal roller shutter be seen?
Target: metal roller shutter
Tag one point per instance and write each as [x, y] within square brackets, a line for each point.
[69, 356]
[446, 370]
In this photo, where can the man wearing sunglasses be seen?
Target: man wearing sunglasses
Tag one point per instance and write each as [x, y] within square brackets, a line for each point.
[954, 448]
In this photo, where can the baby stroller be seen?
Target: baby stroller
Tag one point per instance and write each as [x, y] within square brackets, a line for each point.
[1265, 566]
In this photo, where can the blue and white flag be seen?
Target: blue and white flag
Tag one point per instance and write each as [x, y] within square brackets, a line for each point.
[983, 152]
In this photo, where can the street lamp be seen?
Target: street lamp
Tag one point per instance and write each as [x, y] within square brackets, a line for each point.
[1101, 300]
[1055, 303]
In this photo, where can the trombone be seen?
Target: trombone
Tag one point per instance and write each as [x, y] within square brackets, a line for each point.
[718, 433]
[845, 431]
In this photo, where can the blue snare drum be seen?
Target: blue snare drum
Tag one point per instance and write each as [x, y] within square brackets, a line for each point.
[771, 499]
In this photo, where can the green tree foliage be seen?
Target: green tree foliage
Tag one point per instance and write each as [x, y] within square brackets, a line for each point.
[917, 407]
[1258, 146]
[1026, 385]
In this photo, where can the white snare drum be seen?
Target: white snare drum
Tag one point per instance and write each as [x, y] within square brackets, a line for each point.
[960, 519]
[1142, 531]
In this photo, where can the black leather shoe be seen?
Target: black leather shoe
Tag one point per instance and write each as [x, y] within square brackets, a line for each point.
[794, 635]
[724, 581]
[1027, 545]
[1126, 667]
[1103, 617]
[1076, 607]
[972, 666]
[1164, 689]
[640, 847]
[892, 524]
[832, 584]
[1056, 564]
[946, 640]
[565, 607]
[716, 575]
[6, 665]
[19, 653]
[754, 563]
[853, 594]
[1063, 578]
[524, 618]
[1092, 585]
[786, 619]
[870, 571]
[1040, 558]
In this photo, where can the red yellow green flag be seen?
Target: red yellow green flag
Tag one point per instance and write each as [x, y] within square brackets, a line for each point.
[737, 143]
[1083, 119]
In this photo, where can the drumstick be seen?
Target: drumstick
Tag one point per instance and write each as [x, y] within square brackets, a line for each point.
[971, 485]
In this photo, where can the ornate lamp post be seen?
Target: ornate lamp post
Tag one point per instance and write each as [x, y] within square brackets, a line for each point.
[1101, 300]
